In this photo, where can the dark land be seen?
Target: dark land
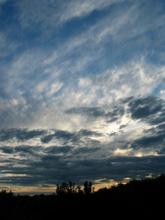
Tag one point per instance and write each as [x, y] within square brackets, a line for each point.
[135, 200]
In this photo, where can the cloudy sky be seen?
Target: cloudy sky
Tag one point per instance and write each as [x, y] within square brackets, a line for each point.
[82, 92]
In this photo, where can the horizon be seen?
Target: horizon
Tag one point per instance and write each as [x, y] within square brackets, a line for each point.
[53, 191]
[82, 92]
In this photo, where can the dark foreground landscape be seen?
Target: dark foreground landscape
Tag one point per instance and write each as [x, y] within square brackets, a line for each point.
[136, 199]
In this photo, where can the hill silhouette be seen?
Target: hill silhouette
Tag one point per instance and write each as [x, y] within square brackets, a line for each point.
[136, 199]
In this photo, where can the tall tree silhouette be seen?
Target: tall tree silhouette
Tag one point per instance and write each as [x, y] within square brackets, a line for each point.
[87, 187]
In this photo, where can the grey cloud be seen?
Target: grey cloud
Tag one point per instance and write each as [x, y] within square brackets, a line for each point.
[53, 169]
[158, 118]
[56, 149]
[150, 141]
[47, 138]
[154, 138]
[25, 135]
[161, 127]
[86, 150]
[97, 112]
[29, 150]
[22, 150]
[7, 150]
[123, 126]
[54, 164]
[161, 151]
[88, 133]
[19, 134]
[67, 136]
[150, 109]
[113, 134]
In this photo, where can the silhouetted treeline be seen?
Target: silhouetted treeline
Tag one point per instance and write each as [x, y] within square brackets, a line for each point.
[136, 199]
[70, 188]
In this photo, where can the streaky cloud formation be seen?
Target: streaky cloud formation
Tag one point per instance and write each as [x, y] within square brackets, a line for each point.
[82, 91]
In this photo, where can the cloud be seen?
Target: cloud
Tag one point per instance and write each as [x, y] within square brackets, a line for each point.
[46, 136]
[145, 107]
[81, 89]
[86, 150]
[35, 81]
[93, 111]
[150, 109]
[80, 9]
[56, 150]
[19, 134]
[150, 141]
[21, 151]
[7, 150]
[52, 13]
[54, 168]
[98, 112]
[66, 136]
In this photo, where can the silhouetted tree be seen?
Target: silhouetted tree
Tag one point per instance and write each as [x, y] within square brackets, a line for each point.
[141, 197]
[79, 190]
[87, 187]
[66, 188]
[71, 187]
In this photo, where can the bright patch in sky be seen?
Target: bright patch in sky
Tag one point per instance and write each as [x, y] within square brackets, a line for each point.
[81, 91]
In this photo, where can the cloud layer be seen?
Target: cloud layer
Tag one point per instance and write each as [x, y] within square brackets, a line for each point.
[81, 90]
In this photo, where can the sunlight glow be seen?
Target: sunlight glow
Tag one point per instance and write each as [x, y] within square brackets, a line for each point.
[122, 152]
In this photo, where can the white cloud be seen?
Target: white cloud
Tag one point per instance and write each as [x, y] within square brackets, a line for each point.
[51, 59]
[82, 8]
[54, 87]
[42, 73]
[52, 13]
[135, 78]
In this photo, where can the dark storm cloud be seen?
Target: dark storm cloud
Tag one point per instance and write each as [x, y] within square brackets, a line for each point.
[47, 138]
[67, 136]
[88, 133]
[29, 150]
[154, 138]
[21, 150]
[7, 150]
[57, 150]
[53, 169]
[157, 119]
[162, 151]
[19, 134]
[150, 109]
[161, 127]
[150, 141]
[144, 107]
[86, 150]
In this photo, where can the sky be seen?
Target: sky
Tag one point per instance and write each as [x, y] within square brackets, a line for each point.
[82, 92]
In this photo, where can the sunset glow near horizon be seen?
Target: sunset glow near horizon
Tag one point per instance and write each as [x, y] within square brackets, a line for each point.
[82, 92]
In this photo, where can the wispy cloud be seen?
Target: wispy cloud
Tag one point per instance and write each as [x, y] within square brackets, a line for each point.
[81, 90]
[52, 13]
